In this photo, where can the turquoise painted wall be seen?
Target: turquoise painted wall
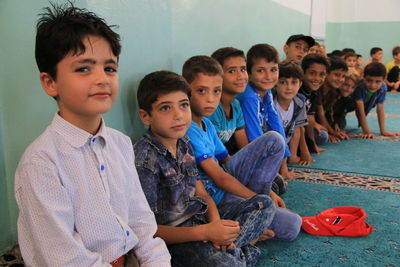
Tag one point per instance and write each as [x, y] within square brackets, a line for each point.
[156, 34]
[362, 36]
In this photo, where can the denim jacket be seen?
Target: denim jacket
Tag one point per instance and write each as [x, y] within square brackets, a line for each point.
[168, 182]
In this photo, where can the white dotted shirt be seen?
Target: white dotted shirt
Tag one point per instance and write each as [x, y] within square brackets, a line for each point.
[80, 201]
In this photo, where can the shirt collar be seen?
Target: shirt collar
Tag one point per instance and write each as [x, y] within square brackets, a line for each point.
[76, 136]
[160, 147]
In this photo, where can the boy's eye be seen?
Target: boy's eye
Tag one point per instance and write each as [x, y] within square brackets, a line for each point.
[231, 71]
[110, 69]
[217, 91]
[243, 69]
[260, 70]
[82, 69]
[282, 82]
[201, 91]
[184, 105]
[274, 69]
[165, 108]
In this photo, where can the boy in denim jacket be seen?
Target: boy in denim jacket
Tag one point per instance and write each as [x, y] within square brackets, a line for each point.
[197, 234]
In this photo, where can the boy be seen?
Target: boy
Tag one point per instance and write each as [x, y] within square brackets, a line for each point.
[342, 104]
[314, 67]
[186, 215]
[359, 63]
[247, 173]
[79, 197]
[297, 47]
[228, 117]
[292, 110]
[351, 60]
[369, 93]
[393, 70]
[257, 104]
[328, 93]
[376, 54]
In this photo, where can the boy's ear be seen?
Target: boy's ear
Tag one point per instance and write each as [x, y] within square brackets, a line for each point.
[144, 117]
[48, 84]
[285, 48]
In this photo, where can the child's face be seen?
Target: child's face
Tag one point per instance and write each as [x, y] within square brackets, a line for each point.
[170, 116]
[378, 56]
[287, 88]
[264, 74]
[359, 61]
[373, 83]
[206, 94]
[87, 84]
[347, 87]
[314, 76]
[235, 75]
[396, 57]
[351, 62]
[315, 49]
[335, 78]
[296, 50]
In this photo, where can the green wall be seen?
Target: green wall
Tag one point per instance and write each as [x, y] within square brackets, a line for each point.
[156, 34]
[362, 36]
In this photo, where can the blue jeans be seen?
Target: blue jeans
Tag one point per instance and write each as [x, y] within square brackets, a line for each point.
[254, 215]
[256, 166]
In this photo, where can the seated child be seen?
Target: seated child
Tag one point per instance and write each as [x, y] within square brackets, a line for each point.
[248, 172]
[292, 110]
[79, 196]
[371, 92]
[315, 49]
[297, 47]
[376, 54]
[257, 103]
[187, 217]
[393, 70]
[342, 104]
[228, 117]
[314, 67]
[359, 63]
[328, 93]
[351, 59]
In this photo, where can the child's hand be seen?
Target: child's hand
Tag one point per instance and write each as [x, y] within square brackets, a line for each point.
[306, 160]
[366, 136]
[318, 127]
[277, 199]
[333, 138]
[222, 233]
[390, 133]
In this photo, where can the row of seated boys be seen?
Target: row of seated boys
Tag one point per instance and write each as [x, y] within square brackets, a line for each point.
[87, 197]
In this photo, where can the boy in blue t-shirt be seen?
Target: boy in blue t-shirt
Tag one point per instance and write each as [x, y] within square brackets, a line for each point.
[371, 92]
[228, 118]
[197, 234]
[247, 173]
[256, 101]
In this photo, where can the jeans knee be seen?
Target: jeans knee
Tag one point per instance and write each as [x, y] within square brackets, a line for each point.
[321, 138]
[274, 140]
[293, 229]
[286, 225]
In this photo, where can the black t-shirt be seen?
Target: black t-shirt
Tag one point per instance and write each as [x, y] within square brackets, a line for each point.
[312, 100]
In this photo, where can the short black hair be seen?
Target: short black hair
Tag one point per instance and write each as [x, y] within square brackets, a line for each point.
[375, 69]
[336, 53]
[310, 59]
[348, 50]
[200, 64]
[265, 51]
[375, 50]
[61, 29]
[395, 50]
[350, 54]
[290, 69]
[159, 83]
[337, 63]
[226, 52]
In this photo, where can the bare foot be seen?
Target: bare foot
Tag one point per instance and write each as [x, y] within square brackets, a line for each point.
[294, 159]
[268, 234]
[288, 175]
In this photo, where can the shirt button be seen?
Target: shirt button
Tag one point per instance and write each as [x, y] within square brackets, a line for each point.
[127, 233]
[102, 167]
[94, 139]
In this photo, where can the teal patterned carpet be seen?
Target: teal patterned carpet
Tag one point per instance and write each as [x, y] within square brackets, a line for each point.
[363, 173]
